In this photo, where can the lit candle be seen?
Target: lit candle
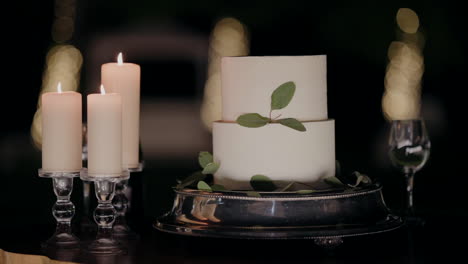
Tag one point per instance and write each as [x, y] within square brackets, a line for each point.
[61, 131]
[124, 78]
[104, 134]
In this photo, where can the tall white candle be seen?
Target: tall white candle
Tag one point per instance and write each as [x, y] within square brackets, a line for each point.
[124, 78]
[61, 131]
[104, 134]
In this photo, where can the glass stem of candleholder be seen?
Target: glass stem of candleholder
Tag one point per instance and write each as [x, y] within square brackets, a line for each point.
[63, 212]
[104, 215]
[121, 204]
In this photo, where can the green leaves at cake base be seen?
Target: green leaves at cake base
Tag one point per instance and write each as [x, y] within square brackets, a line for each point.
[192, 179]
[211, 168]
[204, 158]
[203, 186]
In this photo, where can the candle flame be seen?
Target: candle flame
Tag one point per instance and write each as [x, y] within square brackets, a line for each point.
[59, 87]
[103, 91]
[119, 59]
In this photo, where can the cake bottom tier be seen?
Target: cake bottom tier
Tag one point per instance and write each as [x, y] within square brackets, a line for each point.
[281, 153]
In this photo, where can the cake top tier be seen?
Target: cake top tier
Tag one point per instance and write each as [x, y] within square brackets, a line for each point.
[248, 82]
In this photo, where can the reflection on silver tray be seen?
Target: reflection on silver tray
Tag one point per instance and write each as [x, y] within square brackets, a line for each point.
[337, 213]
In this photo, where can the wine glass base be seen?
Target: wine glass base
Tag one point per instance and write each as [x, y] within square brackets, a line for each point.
[105, 246]
[62, 241]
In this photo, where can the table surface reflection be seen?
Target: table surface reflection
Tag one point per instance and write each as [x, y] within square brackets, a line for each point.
[406, 245]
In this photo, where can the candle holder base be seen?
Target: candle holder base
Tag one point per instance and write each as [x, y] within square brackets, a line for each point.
[61, 241]
[105, 213]
[105, 246]
[63, 210]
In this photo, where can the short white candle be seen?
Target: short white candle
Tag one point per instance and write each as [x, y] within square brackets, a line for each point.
[104, 134]
[124, 78]
[61, 131]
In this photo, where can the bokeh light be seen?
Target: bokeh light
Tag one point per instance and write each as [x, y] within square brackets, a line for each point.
[405, 69]
[63, 62]
[407, 20]
[399, 105]
[229, 38]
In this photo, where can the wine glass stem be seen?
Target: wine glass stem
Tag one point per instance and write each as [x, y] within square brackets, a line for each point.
[409, 193]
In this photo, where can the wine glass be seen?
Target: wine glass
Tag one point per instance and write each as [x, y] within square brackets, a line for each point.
[409, 151]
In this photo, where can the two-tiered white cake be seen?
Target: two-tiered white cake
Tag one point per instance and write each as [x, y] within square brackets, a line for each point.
[281, 153]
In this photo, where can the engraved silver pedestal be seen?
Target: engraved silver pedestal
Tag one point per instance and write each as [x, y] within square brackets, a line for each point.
[327, 217]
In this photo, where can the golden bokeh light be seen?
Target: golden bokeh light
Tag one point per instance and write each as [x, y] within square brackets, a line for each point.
[407, 20]
[63, 65]
[36, 129]
[63, 62]
[405, 69]
[394, 49]
[416, 40]
[229, 38]
[399, 105]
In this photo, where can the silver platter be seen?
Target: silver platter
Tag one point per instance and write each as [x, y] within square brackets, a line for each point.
[287, 215]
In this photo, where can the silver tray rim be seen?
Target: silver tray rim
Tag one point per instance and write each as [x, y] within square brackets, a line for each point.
[168, 223]
[164, 224]
[284, 196]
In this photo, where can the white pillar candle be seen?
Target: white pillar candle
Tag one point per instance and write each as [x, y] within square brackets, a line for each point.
[104, 134]
[124, 78]
[61, 131]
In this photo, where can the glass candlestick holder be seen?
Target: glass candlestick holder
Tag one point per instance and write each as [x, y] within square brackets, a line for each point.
[121, 204]
[105, 213]
[63, 210]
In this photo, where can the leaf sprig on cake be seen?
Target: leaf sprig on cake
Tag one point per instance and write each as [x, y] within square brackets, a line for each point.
[261, 183]
[280, 98]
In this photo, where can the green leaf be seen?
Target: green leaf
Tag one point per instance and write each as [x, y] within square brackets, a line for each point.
[252, 120]
[262, 183]
[292, 123]
[287, 187]
[203, 186]
[204, 158]
[253, 194]
[282, 95]
[218, 187]
[211, 168]
[194, 177]
[305, 191]
[334, 181]
[360, 178]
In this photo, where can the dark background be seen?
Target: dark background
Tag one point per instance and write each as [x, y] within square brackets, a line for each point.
[355, 40]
